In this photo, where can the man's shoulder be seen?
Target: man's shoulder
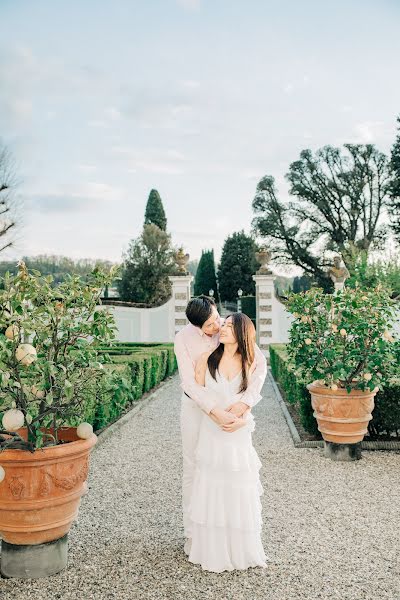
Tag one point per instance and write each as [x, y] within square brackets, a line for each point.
[184, 332]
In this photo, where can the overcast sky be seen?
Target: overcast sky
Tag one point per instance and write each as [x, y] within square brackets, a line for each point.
[100, 101]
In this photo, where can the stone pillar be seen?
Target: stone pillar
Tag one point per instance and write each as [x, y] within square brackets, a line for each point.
[264, 314]
[339, 285]
[180, 297]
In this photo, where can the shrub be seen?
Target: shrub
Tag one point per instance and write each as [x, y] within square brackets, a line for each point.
[343, 339]
[386, 414]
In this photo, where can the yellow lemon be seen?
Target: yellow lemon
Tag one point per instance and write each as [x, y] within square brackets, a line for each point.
[26, 354]
[84, 431]
[37, 392]
[13, 419]
[12, 332]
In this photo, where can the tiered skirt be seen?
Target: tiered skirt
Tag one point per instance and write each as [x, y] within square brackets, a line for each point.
[225, 508]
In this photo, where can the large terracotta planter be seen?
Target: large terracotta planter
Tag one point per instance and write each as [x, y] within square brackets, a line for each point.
[41, 491]
[342, 417]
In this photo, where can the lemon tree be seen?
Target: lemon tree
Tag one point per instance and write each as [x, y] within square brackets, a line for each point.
[344, 340]
[48, 352]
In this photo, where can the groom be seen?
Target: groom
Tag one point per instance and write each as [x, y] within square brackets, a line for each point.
[201, 335]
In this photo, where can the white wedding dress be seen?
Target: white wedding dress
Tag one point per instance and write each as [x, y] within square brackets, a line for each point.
[225, 507]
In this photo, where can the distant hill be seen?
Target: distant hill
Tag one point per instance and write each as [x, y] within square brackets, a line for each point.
[57, 266]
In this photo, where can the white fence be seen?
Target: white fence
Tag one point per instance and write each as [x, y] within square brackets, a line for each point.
[160, 324]
[143, 324]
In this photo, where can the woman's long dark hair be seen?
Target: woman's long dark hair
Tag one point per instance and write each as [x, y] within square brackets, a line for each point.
[245, 336]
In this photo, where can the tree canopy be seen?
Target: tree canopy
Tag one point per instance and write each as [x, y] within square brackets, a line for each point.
[238, 265]
[394, 208]
[147, 264]
[206, 279]
[7, 202]
[338, 198]
[155, 213]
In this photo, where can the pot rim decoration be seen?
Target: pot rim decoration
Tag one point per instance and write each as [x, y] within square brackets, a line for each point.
[41, 491]
[342, 416]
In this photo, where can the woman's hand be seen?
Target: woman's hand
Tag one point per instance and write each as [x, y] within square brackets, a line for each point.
[238, 408]
[222, 417]
[240, 422]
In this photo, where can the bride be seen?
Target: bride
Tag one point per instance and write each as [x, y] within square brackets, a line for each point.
[225, 506]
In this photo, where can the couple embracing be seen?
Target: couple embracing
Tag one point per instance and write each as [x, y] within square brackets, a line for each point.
[222, 371]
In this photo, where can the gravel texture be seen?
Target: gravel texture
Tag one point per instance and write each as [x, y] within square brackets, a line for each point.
[331, 530]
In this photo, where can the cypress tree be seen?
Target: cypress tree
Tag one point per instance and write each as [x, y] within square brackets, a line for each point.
[155, 214]
[205, 276]
[237, 267]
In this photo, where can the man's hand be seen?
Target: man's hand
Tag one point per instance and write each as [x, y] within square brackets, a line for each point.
[238, 408]
[237, 424]
[222, 417]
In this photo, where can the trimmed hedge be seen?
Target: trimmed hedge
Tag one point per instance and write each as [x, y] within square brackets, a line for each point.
[131, 370]
[295, 390]
[385, 416]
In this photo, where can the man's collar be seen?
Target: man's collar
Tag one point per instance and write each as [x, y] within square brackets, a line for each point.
[198, 329]
[201, 333]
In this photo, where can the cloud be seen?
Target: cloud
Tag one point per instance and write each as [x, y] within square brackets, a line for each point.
[87, 168]
[70, 198]
[97, 191]
[288, 89]
[112, 113]
[25, 76]
[191, 84]
[251, 174]
[368, 131]
[154, 160]
[98, 123]
[189, 4]
[56, 203]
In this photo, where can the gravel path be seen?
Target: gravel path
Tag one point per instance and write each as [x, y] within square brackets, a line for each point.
[331, 530]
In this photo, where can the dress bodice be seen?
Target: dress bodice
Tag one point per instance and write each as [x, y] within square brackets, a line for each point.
[226, 389]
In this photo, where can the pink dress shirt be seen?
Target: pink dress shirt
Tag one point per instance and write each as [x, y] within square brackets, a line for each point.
[190, 343]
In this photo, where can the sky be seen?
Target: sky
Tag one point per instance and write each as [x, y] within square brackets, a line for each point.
[102, 101]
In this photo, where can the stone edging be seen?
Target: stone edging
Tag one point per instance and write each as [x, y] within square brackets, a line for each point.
[137, 407]
[298, 443]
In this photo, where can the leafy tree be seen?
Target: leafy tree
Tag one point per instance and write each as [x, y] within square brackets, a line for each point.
[238, 265]
[206, 279]
[147, 264]
[339, 198]
[7, 203]
[301, 284]
[296, 285]
[155, 213]
[370, 273]
[305, 283]
[394, 207]
[59, 369]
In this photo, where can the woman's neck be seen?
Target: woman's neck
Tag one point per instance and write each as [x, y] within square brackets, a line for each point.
[230, 349]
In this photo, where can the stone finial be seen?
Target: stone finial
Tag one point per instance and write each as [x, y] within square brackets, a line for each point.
[263, 257]
[22, 269]
[181, 260]
[338, 273]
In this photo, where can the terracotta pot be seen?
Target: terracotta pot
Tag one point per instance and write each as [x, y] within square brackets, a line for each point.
[41, 491]
[342, 418]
